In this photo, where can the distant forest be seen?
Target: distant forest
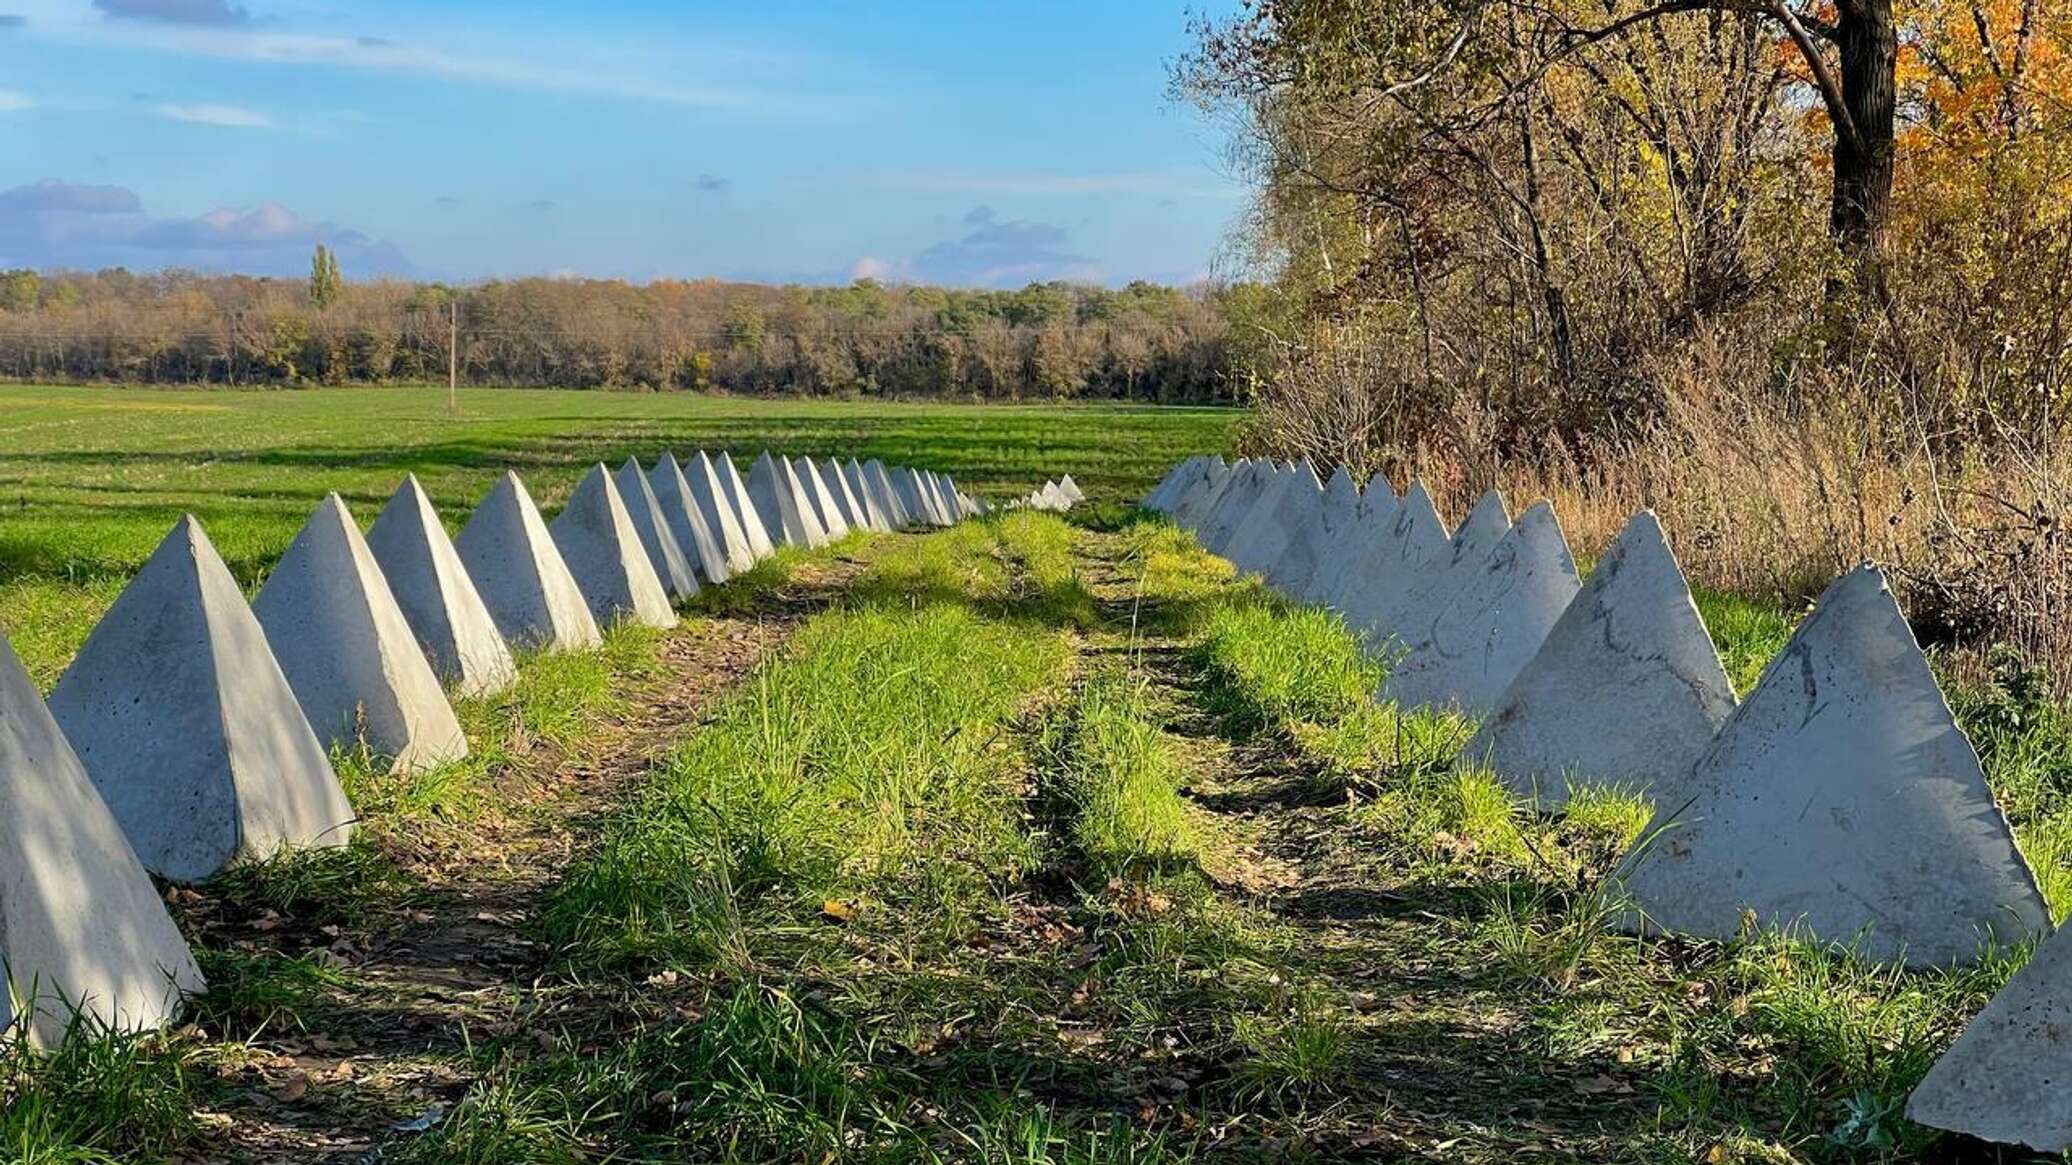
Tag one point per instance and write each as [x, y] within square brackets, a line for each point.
[1046, 341]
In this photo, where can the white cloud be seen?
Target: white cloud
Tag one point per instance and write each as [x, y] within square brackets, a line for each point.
[871, 267]
[12, 100]
[231, 116]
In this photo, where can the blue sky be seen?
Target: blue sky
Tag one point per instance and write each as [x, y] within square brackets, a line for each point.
[974, 143]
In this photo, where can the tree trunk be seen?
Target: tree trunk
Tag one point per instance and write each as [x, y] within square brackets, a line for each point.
[1869, 45]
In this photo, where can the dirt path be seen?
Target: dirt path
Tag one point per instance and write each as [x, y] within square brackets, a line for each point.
[356, 1027]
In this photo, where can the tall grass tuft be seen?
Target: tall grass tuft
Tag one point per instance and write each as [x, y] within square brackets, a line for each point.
[1121, 776]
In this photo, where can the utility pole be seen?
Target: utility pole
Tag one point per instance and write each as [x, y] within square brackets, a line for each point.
[453, 355]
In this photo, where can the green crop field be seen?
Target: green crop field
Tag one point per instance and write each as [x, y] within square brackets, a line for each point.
[92, 478]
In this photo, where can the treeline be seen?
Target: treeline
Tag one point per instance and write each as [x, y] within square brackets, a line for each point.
[1046, 341]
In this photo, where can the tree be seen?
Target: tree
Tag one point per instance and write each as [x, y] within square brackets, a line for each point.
[20, 290]
[326, 282]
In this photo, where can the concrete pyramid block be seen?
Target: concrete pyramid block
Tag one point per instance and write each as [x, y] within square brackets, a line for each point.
[779, 498]
[185, 724]
[81, 926]
[1473, 639]
[868, 501]
[1395, 568]
[938, 498]
[348, 651]
[1329, 521]
[524, 583]
[754, 527]
[886, 491]
[1380, 483]
[1071, 490]
[723, 520]
[1261, 542]
[1196, 501]
[1842, 798]
[1626, 691]
[687, 521]
[678, 577]
[826, 510]
[1160, 498]
[914, 497]
[598, 541]
[846, 498]
[438, 596]
[1485, 526]
[1371, 522]
[1239, 497]
[2004, 1078]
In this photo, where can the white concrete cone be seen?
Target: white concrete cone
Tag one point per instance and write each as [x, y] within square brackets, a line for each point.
[888, 495]
[348, 651]
[1481, 636]
[1382, 593]
[1627, 691]
[2004, 1078]
[600, 544]
[524, 583]
[786, 512]
[822, 501]
[867, 499]
[81, 926]
[728, 526]
[686, 520]
[1842, 801]
[186, 726]
[679, 578]
[438, 596]
[754, 526]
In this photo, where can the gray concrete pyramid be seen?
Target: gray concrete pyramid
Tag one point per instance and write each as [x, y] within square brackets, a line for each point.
[185, 724]
[600, 544]
[1194, 502]
[1239, 497]
[2005, 1078]
[874, 508]
[787, 514]
[1323, 525]
[81, 926]
[754, 526]
[524, 583]
[1489, 624]
[1626, 691]
[1071, 490]
[1380, 483]
[1372, 523]
[932, 494]
[1842, 798]
[679, 578]
[349, 653]
[1161, 496]
[1485, 526]
[906, 485]
[438, 596]
[1262, 540]
[1392, 571]
[846, 499]
[722, 518]
[826, 510]
[888, 495]
[686, 520]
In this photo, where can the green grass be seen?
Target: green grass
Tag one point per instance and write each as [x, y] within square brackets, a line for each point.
[99, 1098]
[1121, 777]
[92, 478]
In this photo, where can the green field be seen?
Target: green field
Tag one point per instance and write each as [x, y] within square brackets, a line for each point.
[92, 478]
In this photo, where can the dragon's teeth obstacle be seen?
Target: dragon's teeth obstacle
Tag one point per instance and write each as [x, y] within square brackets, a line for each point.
[348, 651]
[2004, 1079]
[678, 577]
[1627, 690]
[598, 541]
[754, 525]
[787, 515]
[1384, 591]
[1842, 800]
[1477, 634]
[868, 500]
[820, 499]
[728, 526]
[437, 595]
[890, 498]
[182, 718]
[525, 584]
[81, 926]
[703, 547]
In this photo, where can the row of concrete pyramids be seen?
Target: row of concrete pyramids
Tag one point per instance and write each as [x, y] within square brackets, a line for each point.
[193, 730]
[1839, 801]
[1055, 497]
